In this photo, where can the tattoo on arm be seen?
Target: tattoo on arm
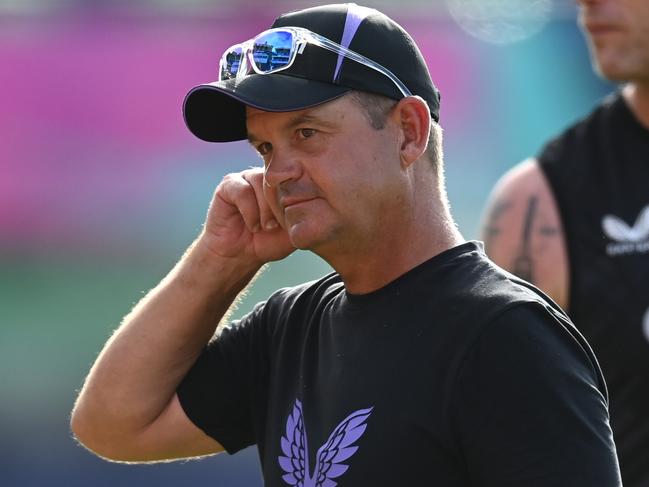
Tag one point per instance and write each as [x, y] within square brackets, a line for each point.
[533, 225]
[491, 229]
[523, 263]
[549, 231]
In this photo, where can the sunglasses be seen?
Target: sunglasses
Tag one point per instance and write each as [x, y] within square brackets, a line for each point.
[276, 49]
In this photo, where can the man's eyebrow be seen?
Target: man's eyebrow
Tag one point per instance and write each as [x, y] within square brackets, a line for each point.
[307, 118]
[303, 118]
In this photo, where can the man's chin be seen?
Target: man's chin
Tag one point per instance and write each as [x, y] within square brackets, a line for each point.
[609, 73]
[609, 68]
[302, 237]
[305, 237]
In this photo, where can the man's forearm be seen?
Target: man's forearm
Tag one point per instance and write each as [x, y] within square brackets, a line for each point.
[139, 369]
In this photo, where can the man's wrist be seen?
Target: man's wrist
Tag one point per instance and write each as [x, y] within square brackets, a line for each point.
[202, 268]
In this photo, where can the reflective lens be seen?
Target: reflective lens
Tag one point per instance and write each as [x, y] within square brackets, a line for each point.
[230, 62]
[275, 49]
[272, 50]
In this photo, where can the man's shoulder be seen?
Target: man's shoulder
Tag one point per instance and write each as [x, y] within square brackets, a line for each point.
[479, 290]
[584, 133]
[480, 278]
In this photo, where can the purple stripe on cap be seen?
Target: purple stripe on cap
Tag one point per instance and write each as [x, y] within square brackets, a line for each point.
[355, 15]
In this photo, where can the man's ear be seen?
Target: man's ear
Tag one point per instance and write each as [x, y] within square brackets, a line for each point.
[413, 119]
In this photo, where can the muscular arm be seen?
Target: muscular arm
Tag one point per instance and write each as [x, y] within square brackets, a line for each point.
[127, 409]
[522, 231]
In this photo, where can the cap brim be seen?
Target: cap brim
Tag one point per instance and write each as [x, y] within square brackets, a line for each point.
[216, 112]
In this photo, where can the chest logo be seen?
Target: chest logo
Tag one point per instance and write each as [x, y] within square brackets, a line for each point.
[627, 239]
[328, 463]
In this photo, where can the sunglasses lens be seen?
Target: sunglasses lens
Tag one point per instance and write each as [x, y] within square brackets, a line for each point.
[230, 62]
[272, 51]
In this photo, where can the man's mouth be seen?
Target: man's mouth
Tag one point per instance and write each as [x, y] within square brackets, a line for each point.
[287, 202]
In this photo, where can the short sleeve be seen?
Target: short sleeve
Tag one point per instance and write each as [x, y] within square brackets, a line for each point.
[531, 408]
[218, 392]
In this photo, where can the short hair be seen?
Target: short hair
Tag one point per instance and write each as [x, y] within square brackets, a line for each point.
[377, 108]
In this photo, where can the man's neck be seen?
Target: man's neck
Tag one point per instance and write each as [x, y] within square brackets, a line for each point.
[393, 254]
[636, 95]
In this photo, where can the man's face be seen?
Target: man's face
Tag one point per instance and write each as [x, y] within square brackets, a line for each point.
[332, 181]
[618, 36]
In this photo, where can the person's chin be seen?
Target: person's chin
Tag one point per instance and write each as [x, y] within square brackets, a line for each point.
[611, 71]
[609, 65]
[313, 236]
[302, 235]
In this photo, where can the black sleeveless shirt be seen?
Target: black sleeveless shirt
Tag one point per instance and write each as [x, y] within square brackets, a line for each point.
[599, 172]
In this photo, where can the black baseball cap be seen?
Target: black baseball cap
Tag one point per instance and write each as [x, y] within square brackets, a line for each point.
[215, 112]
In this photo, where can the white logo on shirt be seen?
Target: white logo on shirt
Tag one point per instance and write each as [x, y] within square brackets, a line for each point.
[628, 239]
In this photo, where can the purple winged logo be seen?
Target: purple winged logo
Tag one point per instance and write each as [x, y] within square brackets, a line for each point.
[337, 449]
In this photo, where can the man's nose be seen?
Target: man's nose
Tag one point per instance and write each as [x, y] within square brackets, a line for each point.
[283, 166]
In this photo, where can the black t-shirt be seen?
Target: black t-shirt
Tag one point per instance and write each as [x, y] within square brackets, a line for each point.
[599, 174]
[455, 374]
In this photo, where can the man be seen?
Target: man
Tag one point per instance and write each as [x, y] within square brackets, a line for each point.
[575, 222]
[418, 362]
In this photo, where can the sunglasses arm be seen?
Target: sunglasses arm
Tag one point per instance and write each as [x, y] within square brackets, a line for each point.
[359, 58]
[243, 66]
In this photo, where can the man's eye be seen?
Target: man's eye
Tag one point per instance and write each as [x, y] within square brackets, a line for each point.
[264, 148]
[306, 133]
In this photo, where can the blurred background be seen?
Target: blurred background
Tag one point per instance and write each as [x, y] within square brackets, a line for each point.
[102, 187]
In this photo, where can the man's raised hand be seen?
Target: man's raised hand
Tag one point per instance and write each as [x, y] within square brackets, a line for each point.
[241, 224]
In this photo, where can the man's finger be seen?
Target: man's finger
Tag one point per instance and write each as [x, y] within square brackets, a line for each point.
[236, 190]
[255, 178]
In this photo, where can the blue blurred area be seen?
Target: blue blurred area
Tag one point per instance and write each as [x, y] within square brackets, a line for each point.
[102, 188]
